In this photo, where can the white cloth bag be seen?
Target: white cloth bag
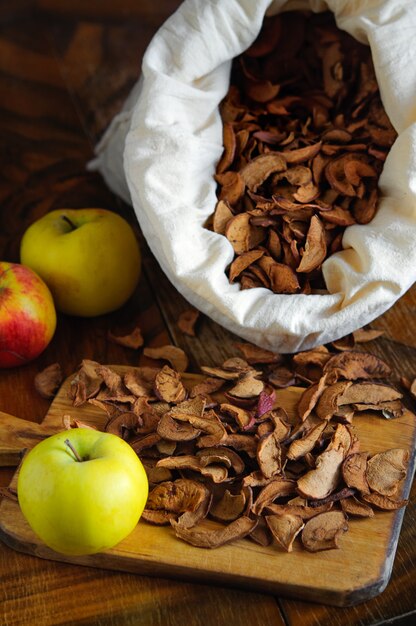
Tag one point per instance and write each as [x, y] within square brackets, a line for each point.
[160, 154]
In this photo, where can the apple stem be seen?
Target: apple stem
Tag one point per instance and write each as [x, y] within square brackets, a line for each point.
[68, 221]
[71, 447]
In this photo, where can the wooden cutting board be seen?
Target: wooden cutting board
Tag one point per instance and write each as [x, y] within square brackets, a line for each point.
[359, 570]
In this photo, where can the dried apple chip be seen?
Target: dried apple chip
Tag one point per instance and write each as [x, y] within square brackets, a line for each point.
[354, 365]
[133, 340]
[187, 321]
[242, 235]
[386, 470]
[259, 169]
[214, 538]
[354, 471]
[176, 356]
[315, 247]
[323, 532]
[243, 261]
[285, 528]
[385, 503]
[353, 506]
[48, 381]
[168, 386]
[222, 216]
[229, 507]
[278, 487]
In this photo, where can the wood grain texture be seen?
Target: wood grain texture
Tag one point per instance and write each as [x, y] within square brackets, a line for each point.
[76, 61]
[358, 571]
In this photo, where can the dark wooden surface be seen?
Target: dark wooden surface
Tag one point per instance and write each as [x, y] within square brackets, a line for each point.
[65, 68]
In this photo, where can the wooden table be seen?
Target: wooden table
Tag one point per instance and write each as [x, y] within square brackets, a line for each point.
[65, 68]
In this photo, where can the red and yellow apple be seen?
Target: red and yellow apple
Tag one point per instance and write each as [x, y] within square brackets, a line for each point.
[82, 491]
[89, 258]
[27, 315]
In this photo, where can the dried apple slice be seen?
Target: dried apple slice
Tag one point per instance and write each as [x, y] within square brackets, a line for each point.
[315, 247]
[324, 531]
[285, 528]
[386, 470]
[214, 538]
[48, 381]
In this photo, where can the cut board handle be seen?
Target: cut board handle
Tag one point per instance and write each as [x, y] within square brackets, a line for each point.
[16, 436]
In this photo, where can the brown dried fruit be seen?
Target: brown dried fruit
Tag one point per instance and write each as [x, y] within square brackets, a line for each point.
[232, 186]
[208, 386]
[172, 430]
[304, 132]
[214, 538]
[385, 503]
[209, 423]
[285, 528]
[324, 531]
[315, 247]
[363, 335]
[269, 455]
[248, 386]
[124, 425]
[176, 356]
[133, 340]
[187, 321]
[221, 455]
[176, 496]
[242, 235]
[298, 506]
[368, 393]
[242, 417]
[139, 386]
[352, 506]
[305, 444]
[329, 401]
[48, 381]
[229, 507]
[242, 443]
[309, 364]
[390, 409]
[243, 261]
[217, 473]
[254, 354]
[156, 474]
[168, 386]
[86, 383]
[354, 365]
[310, 397]
[222, 216]
[318, 483]
[276, 488]
[219, 372]
[354, 471]
[281, 377]
[259, 169]
[386, 470]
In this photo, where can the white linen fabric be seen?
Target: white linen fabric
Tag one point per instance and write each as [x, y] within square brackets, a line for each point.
[160, 154]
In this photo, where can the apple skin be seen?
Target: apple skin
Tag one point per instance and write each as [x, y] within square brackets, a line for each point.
[27, 315]
[82, 507]
[89, 258]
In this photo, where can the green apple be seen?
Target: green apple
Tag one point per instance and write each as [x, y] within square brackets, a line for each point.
[89, 258]
[82, 491]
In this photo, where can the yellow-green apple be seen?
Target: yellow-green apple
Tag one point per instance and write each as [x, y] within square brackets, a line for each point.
[82, 491]
[89, 258]
[27, 315]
